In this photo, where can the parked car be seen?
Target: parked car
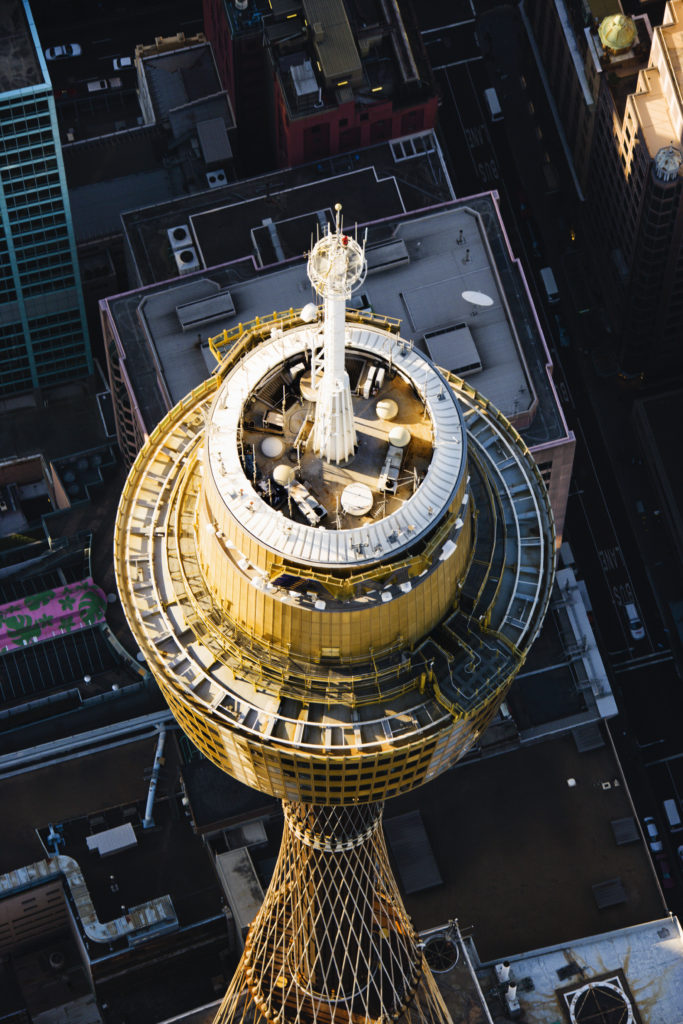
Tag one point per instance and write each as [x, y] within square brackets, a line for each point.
[561, 330]
[664, 871]
[60, 52]
[653, 840]
[634, 622]
[98, 85]
[672, 815]
[121, 63]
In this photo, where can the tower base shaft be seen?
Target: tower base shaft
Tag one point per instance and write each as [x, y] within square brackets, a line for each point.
[332, 943]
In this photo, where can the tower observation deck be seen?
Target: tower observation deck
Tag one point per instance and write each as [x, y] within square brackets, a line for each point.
[335, 558]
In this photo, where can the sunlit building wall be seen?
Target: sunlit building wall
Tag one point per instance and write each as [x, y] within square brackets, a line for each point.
[43, 332]
[629, 159]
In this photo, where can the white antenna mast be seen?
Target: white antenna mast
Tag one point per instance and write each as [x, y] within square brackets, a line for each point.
[336, 267]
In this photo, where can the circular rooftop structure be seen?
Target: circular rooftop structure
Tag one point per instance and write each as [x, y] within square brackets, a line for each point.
[314, 648]
[667, 163]
[262, 401]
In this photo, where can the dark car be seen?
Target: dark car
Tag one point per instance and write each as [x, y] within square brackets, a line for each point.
[664, 871]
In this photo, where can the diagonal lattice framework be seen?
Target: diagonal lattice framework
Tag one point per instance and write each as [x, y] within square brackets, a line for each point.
[332, 943]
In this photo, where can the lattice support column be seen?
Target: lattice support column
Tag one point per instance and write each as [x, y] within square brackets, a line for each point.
[332, 943]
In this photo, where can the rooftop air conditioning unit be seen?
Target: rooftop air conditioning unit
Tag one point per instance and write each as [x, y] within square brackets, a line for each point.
[179, 237]
[186, 260]
[215, 179]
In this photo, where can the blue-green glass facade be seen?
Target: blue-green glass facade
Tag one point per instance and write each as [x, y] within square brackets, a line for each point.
[43, 332]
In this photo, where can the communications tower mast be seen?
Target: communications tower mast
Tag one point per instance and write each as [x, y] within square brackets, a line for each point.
[336, 267]
[334, 615]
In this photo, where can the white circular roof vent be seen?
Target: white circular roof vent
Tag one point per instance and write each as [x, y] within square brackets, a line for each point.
[386, 409]
[356, 499]
[272, 447]
[283, 474]
[399, 437]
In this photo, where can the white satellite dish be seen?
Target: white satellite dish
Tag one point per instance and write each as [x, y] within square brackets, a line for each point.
[478, 298]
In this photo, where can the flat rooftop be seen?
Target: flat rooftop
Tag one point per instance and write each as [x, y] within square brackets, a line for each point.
[181, 76]
[166, 860]
[70, 789]
[519, 850]
[418, 274]
[219, 801]
[659, 108]
[653, 112]
[20, 66]
[236, 220]
[108, 172]
[65, 422]
[637, 969]
[87, 797]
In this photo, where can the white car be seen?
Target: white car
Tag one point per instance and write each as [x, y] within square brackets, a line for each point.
[635, 625]
[121, 63]
[653, 840]
[60, 52]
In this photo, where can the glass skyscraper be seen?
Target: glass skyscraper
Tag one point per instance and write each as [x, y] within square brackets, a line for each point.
[43, 333]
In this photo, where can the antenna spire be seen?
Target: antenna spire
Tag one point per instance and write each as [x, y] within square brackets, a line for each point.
[336, 267]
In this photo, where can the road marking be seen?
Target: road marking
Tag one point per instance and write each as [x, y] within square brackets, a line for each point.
[622, 594]
[455, 63]
[445, 28]
[662, 760]
[488, 171]
[611, 558]
[477, 135]
[656, 658]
